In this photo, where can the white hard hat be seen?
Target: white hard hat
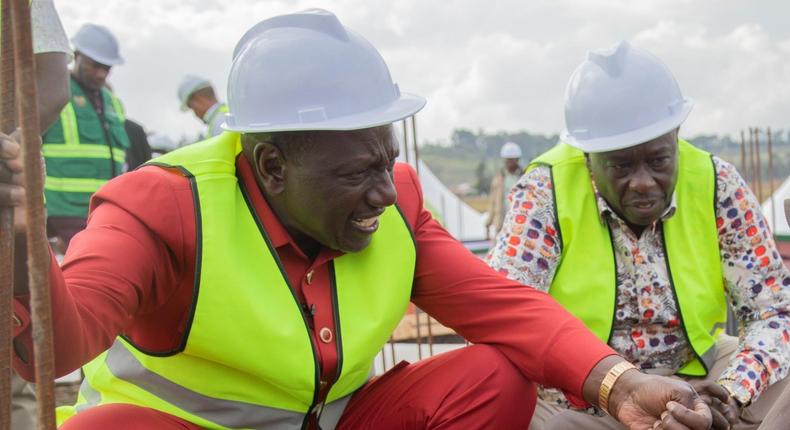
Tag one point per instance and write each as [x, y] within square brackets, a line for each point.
[621, 97]
[98, 44]
[306, 71]
[188, 86]
[510, 150]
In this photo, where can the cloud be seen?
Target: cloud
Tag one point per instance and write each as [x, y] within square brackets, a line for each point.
[499, 65]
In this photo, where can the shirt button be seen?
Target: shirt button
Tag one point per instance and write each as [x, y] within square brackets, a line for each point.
[323, 384]
[309, 277]
[325, 334]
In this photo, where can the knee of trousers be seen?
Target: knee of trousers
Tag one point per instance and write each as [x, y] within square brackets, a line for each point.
[493, 370]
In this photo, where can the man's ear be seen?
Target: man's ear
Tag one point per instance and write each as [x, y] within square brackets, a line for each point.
[269, 168]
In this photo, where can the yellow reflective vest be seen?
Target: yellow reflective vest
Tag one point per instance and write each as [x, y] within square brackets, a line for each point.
[247, 360]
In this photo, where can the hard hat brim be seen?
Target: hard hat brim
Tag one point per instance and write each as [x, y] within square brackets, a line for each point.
[405, 106]
[107, 61]
[633, 137]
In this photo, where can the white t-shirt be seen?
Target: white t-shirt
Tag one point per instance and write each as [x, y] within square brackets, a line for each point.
[48, 32]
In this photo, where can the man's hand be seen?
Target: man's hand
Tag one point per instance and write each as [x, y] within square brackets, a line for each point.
[12, 192]
[723, 407]
[643, 402]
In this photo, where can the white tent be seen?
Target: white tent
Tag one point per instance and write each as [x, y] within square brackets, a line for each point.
[774, 210]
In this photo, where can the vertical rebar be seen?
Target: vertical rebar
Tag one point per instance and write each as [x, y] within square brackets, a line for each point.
[7, 108]
[416, 149]
[744, 172]
[392, 351]
[752, 166]
[418, 339]
[405, 141]
[430, 336]
[38, 256]
[771, 178]
[759, 168]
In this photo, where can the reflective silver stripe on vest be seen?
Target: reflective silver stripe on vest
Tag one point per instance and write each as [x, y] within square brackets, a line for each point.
[92, 397]
[227, 413]
[709, 357]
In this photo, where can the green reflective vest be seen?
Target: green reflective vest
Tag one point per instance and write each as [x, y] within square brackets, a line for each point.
[82, 152]
[247, 360]
[585, 282]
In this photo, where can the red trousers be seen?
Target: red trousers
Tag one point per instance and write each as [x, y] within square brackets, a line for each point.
[470, 388]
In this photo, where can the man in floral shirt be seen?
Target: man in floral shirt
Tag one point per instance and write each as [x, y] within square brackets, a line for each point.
[644, 237]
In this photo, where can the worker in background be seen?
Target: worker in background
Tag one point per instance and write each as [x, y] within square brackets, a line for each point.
[646, 239]
[87, 145]
[503, 181]
[299, 195]
[197, 94]
[52, 55]
[139, 149]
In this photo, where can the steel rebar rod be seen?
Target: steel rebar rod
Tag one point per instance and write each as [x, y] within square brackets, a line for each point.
[771, 178]
[744, 172]
[392, 351]
[418, 339]
[6, 221]
[38, 257]
[752, 166]
[405, 141]
[414, 139]
[758, 164]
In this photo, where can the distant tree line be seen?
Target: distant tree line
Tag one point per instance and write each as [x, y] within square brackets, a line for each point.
[472, 158]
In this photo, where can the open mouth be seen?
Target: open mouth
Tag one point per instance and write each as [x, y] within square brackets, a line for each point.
[367, 225]
[643, 205]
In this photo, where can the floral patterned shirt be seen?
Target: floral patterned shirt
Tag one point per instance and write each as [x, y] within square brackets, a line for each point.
[646, 330]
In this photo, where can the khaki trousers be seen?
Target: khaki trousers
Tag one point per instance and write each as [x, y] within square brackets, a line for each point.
[23, 404]
[550, 417]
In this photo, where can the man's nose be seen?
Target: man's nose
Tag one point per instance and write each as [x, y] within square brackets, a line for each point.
[101, 73]
[642, 180]
[383, 193]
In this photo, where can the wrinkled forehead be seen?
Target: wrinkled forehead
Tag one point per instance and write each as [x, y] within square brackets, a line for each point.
[352, 146]
[659, 145]
[374, 137]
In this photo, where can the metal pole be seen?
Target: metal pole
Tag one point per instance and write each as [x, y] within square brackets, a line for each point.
[418, 340]
[430, 336]
[414, 138]
[6, 223]
[758, 171]
[405, 141]
[743, 156]
[771, 178]
[752, 167]
[38, 249]
[392, 351]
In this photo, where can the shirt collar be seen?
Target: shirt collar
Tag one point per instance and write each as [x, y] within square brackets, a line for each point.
[210, 112]
[278, 235]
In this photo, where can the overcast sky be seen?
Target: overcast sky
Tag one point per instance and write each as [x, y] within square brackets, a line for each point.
[492, 65]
